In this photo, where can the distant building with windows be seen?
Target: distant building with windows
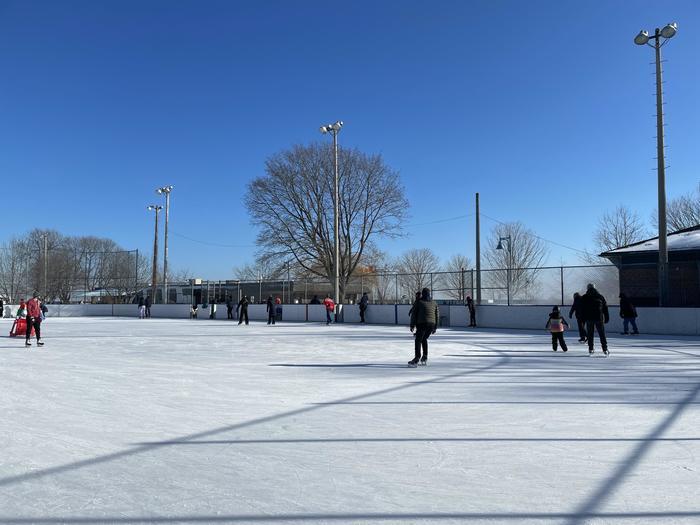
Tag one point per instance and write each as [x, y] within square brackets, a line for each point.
[637, 265]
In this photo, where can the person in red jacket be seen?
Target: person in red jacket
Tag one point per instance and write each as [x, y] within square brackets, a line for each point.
[330, 307]
[34, 320]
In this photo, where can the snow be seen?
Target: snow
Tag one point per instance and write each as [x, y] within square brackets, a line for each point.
[675, 242]
[177, 421]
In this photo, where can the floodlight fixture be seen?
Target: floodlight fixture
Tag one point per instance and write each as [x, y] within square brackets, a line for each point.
[642, 38]
[670, 30]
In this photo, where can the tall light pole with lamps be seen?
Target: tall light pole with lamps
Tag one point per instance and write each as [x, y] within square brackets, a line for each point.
[165, 190]
[154, 276]
[660, 37]
[334, 129]
[510, 262]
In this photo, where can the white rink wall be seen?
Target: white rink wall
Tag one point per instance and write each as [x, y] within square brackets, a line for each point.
[662, 321]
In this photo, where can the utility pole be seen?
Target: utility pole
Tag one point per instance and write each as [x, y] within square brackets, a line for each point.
[154, 276]
[478, 253]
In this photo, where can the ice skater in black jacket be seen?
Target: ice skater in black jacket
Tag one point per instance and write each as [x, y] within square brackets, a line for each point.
[577, 309]
[596, 315]
[270, 310]
[242, 310]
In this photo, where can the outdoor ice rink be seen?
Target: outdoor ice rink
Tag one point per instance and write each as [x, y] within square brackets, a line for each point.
[178, 421]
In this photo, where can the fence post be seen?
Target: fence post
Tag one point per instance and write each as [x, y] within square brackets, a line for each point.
[431, 284]
[471, 284]
[362, 285]
[561, 277]
[396, 296]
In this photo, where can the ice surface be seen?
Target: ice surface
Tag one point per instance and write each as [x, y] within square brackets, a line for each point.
[174, 421]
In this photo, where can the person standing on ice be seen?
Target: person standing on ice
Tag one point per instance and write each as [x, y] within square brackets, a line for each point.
[34, 320]
[364, 301]
[472, 311]
[270, 311]
[242, 310]
[596, 315]
[577, 309]
[142, 308]
[147, 304]
[629, 315]
[229, 308]
[424, 318]
[330, 307]
[556, 324]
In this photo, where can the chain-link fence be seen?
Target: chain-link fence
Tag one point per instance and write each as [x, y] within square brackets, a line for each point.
[519, 286]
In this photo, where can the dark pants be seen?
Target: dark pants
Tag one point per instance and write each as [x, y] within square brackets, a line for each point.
[472, 317]
[328, 316]
[271, 316]
[243, 316]
[581, 329]
[626, 322]
[600, 327]
[34, 322]
[558, 337]
[148, 311]
[423, 331]
[362, 314]
[229, 312]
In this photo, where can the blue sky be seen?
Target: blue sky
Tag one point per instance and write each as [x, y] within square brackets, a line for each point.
[544, 107]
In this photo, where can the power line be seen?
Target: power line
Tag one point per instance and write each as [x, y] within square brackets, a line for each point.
[542, 238]
[219, 245]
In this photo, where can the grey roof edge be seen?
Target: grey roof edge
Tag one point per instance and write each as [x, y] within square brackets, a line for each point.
[639, 243]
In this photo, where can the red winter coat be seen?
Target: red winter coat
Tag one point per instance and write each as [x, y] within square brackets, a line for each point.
[330, 305]
[33, 308]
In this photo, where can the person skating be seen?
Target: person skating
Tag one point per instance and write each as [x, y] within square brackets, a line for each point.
[364, 301]
[270, 311]
[34, 320]
[424, 318]
[330, 308]
[576, 309]
[229, 308]
[148, 304]
[596, 315]
[629, 315]
[242, 310]
[44, 310]
[472, 311]
[556, 324]
[142, 308]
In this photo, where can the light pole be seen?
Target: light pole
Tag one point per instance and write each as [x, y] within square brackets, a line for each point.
[154, 276]
[334, 129]
[660, 37]
[510, 256]
[165, 190]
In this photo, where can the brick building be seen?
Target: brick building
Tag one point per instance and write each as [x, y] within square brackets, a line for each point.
[637, 264]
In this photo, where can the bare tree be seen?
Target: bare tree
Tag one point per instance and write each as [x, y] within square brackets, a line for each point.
[619, 228]
[414, 267]
[456, 281]
[514, 267]
[262, 268]
[293, 207]
[681, 213]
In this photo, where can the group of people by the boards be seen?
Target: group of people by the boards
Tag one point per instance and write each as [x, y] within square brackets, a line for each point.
[590, 310]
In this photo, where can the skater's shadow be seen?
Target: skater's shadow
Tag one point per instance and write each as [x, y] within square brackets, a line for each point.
[338, 365]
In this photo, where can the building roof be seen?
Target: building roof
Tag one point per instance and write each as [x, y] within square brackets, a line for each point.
[681, 240]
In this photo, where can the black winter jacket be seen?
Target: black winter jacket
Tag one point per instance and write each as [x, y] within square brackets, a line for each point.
[594, 307]
[627, 309]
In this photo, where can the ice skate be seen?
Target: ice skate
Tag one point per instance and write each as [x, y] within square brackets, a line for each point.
[27, 343]
[423, 362]
[412, 364]
[40, 343]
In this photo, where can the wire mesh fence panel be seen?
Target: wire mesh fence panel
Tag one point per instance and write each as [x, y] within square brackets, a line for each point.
[605, 278]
